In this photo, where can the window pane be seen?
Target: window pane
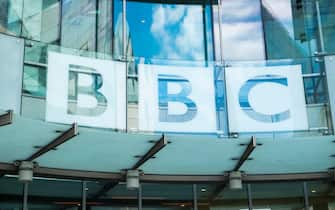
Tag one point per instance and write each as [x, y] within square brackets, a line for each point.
[105, 26]
[242, 34]
[10, 16]
[34, 81]
[78, 21]
[41, 20]
[327, 8]
[286, 29]
[166, 31]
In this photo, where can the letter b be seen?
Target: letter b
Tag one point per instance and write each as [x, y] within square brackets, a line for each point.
[84, 83]
[181, 97]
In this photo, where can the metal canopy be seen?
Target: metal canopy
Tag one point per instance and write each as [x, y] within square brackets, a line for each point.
[7, 118]
[250, 148]
[160, 144]
[64, 137]
[102, 154]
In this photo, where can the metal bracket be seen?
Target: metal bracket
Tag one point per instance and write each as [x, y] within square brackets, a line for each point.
[245, 156]
[250, 148]
[152, 152]
[64, 137]
[160, 144]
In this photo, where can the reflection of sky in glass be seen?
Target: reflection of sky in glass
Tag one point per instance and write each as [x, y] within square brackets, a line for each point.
[77, 20]
[242, 33]
[281, 11]
[166, 31]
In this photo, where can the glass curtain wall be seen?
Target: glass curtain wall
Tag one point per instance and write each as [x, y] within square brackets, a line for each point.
[47, 193]
[184, 33]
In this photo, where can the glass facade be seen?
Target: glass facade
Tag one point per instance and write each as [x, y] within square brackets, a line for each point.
[202, 33]
[286, 195]
[221, 38]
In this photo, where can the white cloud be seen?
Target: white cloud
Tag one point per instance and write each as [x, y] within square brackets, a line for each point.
[279, 9]
[242, 41]
[240, 10]
[179, 32]
[282, 12]
[242, 35]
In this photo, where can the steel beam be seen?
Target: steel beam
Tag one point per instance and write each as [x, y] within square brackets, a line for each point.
[8, 168]
[286, 177]
[160, 144]
[195, 197]
[77, 174]
[64, 137]
[152, 152]
[11, 169]
[25, 195]
[139, 198]
[251, 146]
[83, 195]
[7, 118]
[191, 179]
[306, 201]
[250, 206]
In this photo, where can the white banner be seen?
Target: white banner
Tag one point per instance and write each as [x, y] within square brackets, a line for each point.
[266, 99]
[88, 91]
[176, 99]
[11, 68]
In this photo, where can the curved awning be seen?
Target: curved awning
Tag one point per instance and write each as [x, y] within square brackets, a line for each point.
[103, 151]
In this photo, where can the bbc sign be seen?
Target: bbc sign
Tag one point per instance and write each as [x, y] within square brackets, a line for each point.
[92, 92]
[88, 91]
[177, 99]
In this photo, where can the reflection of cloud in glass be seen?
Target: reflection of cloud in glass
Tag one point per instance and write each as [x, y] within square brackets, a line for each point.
[281, 11]
[242, 33]
[178, 30]
[242, 10]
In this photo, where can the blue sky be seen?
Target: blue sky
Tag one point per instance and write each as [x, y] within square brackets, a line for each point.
[166, 31]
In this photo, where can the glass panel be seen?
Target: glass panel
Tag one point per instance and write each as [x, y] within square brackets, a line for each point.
[11, 59]
[34, 81]
[11, 193]
[78, 24]
[36, 52]
[229, 199]
[119, 44]
[55, 194]
[289, 28]
[105, 26]
[275, 196]
[328, 24]
[242, 33]
[168, 31]
[314, 90]
[321, 195]
[41, 20]
[170, 196]
[10, 16]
